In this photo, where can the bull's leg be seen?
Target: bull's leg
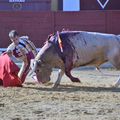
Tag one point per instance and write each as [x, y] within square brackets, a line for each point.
[60, 74]
[73, 79]
[117, 83]
[68, 68]
[115, 61]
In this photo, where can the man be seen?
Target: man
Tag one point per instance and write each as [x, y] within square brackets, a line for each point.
[23, 49]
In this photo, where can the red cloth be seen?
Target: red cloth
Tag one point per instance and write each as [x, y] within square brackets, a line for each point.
[8, 72]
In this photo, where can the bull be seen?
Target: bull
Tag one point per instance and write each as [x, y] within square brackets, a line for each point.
[70, 49]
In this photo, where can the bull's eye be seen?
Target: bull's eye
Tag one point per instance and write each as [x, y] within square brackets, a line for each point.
[37, 70]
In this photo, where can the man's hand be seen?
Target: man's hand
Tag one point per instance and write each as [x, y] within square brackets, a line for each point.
[9, 52]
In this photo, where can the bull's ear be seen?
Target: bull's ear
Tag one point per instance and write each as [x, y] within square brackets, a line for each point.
[57, 33]
[49, 36]
[56, 36]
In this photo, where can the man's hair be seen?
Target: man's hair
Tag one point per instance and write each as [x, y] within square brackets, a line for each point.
[13, 33]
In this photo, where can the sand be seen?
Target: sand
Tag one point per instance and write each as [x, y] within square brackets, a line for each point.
[93, 99]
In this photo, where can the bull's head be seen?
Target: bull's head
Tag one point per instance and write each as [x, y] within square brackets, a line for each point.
[42, 64]
[43, 71]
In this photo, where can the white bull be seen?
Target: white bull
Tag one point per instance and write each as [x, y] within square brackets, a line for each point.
[70, 49]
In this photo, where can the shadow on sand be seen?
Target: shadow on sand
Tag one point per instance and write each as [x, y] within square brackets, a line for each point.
[73, 88]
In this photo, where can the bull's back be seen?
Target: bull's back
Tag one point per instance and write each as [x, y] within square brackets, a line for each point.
[93, 48]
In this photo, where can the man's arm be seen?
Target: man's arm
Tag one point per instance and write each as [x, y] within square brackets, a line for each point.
[9, 50]
[32, 46]
[24, 64]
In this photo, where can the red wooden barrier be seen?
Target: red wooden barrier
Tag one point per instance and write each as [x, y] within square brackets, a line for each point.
[37, 25]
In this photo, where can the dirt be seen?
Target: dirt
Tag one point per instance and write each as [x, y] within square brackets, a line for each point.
[93, 99]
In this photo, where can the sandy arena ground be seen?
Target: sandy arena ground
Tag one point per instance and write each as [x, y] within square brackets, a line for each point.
[94, 99]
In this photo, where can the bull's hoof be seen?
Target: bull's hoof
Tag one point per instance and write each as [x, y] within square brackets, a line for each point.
[114, 86]
[76, 80]
[55, 86]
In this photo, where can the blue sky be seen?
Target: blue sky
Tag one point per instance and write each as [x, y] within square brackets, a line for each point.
[71, 5]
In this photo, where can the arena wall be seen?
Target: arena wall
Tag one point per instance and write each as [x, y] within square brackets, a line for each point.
[94, 5]
[38, 25]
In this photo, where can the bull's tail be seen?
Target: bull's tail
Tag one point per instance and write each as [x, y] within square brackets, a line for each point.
[104, 74]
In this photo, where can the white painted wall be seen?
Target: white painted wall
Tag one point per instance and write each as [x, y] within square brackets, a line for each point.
[71, 5]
